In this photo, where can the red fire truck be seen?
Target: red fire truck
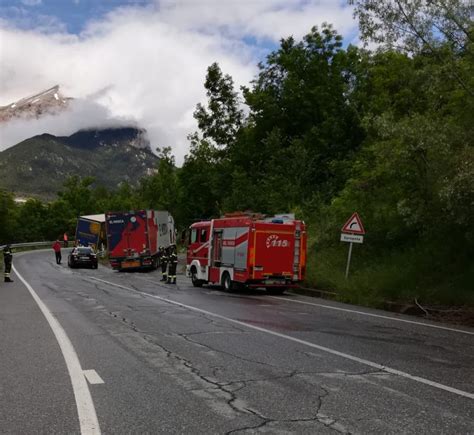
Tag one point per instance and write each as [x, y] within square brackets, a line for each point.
[245, 250]
[134, 237]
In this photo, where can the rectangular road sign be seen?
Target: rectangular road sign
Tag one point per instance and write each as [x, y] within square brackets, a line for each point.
[352, 238]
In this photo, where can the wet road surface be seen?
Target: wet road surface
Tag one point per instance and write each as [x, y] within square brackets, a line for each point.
[185, 360]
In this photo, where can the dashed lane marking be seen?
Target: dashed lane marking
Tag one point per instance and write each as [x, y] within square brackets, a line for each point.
[302, 342]
[88, 421]
[93, 377]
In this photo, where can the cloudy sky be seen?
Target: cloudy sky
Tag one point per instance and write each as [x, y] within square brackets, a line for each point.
[142, 61]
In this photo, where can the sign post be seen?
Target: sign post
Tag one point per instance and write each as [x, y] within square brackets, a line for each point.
[352, 232]
[348, 260]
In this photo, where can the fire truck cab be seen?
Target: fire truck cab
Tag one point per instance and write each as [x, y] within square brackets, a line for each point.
[245, 250]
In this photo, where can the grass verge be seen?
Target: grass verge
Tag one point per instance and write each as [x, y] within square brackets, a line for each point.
[402, 276]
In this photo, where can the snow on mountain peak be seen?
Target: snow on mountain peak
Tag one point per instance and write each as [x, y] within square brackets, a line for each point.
[49, 101]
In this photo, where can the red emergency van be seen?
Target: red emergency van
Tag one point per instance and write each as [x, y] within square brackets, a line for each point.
[245, 250]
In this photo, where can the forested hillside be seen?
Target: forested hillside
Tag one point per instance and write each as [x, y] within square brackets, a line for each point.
[38, 166]
[328, 130]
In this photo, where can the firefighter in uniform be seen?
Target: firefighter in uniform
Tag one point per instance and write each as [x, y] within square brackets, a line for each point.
[164, 264]
[173, 265]
[7, 259]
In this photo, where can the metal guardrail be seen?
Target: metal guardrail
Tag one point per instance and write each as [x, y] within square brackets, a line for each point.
[101, 254]
[34, 244]
[27, 245]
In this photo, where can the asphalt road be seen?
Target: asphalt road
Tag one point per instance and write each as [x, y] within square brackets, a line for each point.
[176, 359]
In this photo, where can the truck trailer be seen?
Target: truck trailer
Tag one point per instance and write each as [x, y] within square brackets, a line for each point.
[244, 250]
[134, 238]
[90, 231]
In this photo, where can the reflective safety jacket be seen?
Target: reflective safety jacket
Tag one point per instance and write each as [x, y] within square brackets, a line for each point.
[164, 258]
[7, 255]
[174, 258]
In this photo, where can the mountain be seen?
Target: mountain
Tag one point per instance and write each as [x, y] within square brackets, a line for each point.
[39, 166]
[50, 101]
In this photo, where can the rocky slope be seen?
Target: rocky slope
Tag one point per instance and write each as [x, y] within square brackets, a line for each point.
[50, 101]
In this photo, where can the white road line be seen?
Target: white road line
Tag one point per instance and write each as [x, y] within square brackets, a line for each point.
[303, 342]
[88, 422]
[462, 331]
[374, 315]
[93, 377]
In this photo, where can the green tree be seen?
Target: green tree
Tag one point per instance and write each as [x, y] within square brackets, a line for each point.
[201, 191]
[440, 27]
[160, 190]
[60, 218]
[301, 116]
[78, 194]
[32, 220]
[204, 177]
[220, 120]
[7, 218]
[416, 25]
[124, 198]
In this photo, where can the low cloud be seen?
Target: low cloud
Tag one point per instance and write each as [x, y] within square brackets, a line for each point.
[147, 64]
[264, 19]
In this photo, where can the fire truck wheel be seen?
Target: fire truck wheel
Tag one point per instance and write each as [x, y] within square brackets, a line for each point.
[196, 282]
[227, 282]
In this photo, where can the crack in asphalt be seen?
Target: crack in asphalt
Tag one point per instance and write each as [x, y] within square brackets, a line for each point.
[246, 428]
[272, 378]
[229, 394]
[210, 320]
[324, 419]
[189, 340]
[56, 290]
[318, 418]
[101, 288]
[230, 397]
[118, 316]
[215, 370]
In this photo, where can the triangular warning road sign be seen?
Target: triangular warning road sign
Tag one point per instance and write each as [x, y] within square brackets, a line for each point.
[353, 225]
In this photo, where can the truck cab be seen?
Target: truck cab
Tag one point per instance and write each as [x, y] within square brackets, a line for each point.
[198, 252]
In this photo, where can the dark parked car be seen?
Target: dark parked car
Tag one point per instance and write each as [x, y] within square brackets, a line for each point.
[82, 256]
